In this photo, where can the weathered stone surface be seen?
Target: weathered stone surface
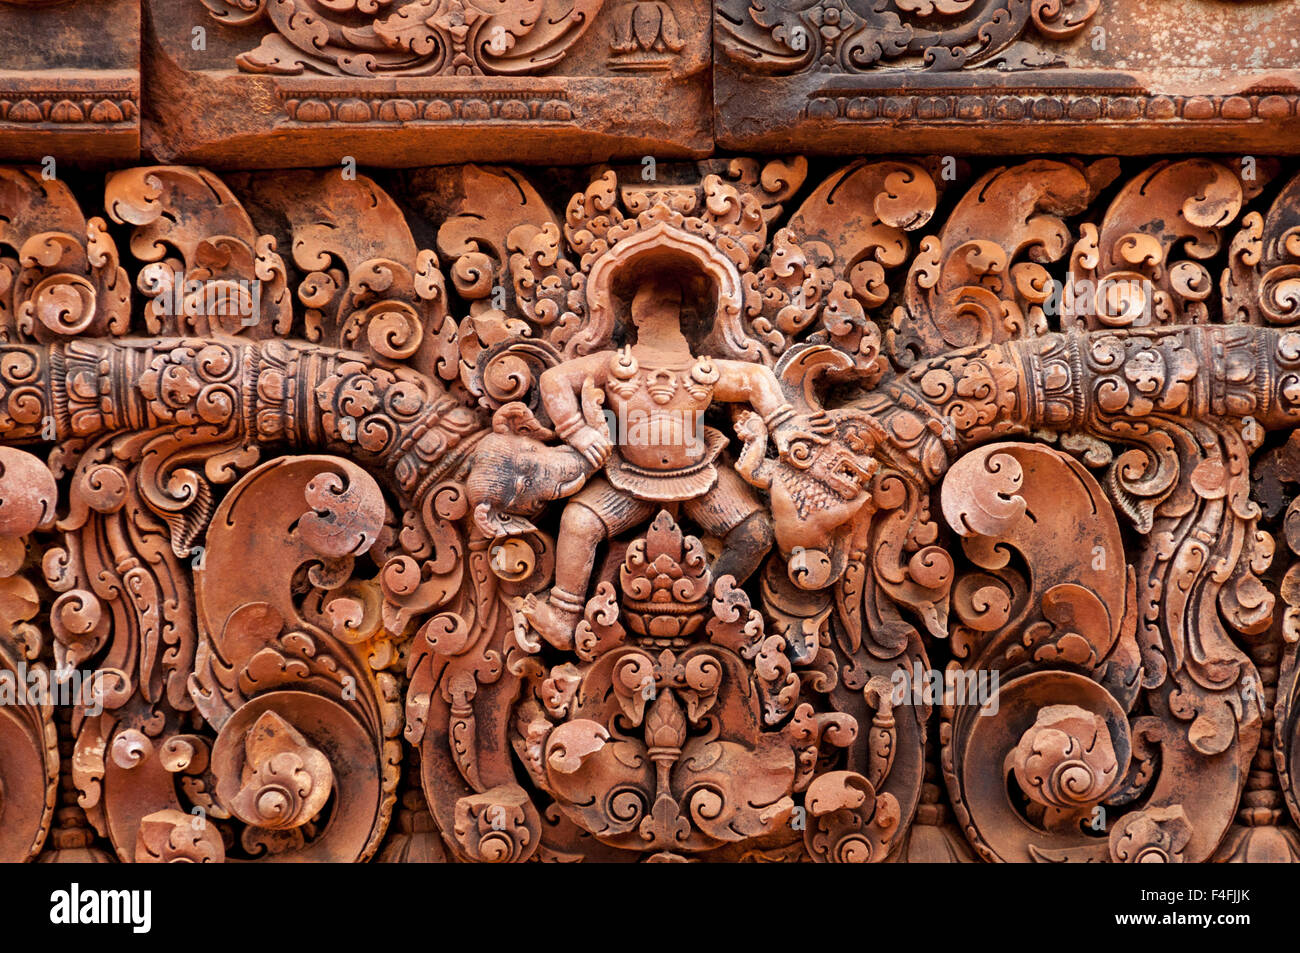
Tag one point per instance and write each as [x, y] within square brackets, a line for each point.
[419, 82]
[1082, 76]
[719, 508]
[70, 80]
[669, 527]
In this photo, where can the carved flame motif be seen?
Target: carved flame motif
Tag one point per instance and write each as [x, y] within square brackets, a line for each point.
[666, 528]
[665, 582]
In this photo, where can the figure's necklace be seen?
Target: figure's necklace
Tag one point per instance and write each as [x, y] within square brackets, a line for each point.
[626, 378]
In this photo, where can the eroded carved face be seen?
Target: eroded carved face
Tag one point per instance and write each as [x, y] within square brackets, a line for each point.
[656, 300]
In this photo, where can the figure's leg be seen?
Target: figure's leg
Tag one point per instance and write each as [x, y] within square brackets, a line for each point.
[596, 513]
[731, 512]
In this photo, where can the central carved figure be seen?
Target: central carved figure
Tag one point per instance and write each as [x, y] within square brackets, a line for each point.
[661, 455]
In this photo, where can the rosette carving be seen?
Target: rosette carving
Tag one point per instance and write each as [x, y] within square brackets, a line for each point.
[1066, 764]
[283, 782]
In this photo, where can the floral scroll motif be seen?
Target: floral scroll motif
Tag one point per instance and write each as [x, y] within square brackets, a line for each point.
[408, 37]
[434, 521]
[852, 36]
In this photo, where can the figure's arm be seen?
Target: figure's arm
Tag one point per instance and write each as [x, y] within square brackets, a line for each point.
[560, 387]
[757, 386]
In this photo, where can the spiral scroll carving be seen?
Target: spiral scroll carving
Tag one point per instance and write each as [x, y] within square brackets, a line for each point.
[725, 517]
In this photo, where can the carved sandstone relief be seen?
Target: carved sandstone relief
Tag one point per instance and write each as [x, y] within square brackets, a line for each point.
[409, 83]
[70, 89]
[1092, 76]
[419, 82]
[783, 37]
[418, 37]
[750, 514]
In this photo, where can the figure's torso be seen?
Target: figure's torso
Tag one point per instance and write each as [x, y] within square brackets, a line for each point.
[660, 410]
